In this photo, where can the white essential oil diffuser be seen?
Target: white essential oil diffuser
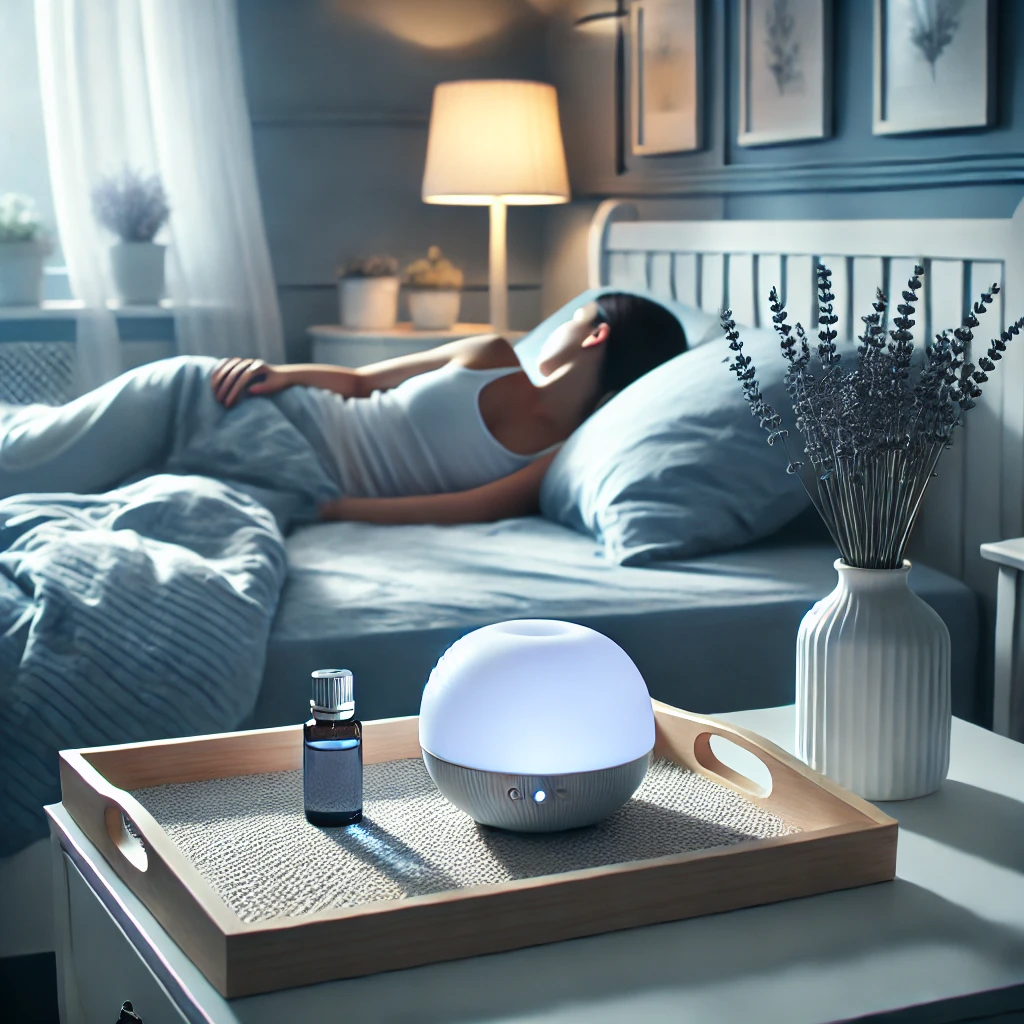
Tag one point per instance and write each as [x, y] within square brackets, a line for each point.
[536, 725]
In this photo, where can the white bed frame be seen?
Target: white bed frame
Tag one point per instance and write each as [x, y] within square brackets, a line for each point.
[979, 492]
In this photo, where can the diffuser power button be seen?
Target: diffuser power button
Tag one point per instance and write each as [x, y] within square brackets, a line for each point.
[514, 794]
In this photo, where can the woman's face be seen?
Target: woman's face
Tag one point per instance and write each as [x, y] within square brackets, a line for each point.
[565, 343]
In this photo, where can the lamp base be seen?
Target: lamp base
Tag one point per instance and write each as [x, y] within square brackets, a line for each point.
[537, 803]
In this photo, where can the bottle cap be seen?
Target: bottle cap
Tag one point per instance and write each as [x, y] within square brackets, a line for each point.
[333, 692]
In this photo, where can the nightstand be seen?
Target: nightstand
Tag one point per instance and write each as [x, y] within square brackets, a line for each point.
[345, 347]
[1007, 694]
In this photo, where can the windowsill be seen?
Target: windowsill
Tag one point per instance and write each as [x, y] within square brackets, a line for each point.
[68, 309]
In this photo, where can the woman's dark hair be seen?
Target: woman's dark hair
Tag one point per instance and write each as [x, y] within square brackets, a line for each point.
[641, 335]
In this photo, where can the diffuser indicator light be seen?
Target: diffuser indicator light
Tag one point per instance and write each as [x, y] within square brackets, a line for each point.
[540, 796]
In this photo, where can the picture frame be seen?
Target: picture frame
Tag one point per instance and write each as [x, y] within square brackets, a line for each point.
[665, 72]
[785, 71]
[934, 65]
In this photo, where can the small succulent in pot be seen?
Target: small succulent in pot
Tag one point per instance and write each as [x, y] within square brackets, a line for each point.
[434, 297]
[19, 221]
[131, 205]
[370, 266]
[368, 292]
[24, 246]
[434, 271]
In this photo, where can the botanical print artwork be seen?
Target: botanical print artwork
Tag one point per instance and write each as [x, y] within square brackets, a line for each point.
[663, 84]
[783, 45]
[934, 26]
[784, 90]
[664, 78]
[932, 64]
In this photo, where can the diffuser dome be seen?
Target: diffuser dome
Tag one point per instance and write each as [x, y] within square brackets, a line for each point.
[536, 725]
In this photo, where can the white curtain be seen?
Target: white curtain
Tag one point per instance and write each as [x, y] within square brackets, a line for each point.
[157, 86]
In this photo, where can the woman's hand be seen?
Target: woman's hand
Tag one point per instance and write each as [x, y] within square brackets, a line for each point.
[233, 378]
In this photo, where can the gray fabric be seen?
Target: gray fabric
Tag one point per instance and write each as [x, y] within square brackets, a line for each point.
[250, 840]
[716, 633]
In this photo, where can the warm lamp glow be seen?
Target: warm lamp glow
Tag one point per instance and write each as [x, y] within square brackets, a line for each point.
[495, 139]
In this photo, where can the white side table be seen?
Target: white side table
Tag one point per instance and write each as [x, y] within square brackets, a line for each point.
[344, 347]
[1009, 666]
[943, 942]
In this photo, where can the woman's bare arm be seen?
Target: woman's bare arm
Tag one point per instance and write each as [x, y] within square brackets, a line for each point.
[517, 494]
[234, 378]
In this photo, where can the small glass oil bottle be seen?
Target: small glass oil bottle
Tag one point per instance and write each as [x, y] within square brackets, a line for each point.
[332, 752]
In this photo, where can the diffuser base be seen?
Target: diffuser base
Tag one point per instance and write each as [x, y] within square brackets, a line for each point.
[537, 803]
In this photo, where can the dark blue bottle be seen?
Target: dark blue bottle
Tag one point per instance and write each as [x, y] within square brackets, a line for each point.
[332, 752]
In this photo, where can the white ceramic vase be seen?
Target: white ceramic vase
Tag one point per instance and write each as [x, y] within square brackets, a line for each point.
[138, 270]
[433, 309]
[872, 687]
[21, 272]
[369, 303]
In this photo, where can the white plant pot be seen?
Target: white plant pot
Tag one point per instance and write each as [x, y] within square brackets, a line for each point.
[138, 269]
[872, 687]
[434, 309]
[21, 272]
[369, 303]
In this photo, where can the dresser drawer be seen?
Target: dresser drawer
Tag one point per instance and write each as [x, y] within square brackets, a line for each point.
[103, 966]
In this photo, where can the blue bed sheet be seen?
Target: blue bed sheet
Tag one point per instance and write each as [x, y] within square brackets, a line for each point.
[715, 633]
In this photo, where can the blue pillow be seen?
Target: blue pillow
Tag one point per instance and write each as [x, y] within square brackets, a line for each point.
[698, 326]
[675, 466]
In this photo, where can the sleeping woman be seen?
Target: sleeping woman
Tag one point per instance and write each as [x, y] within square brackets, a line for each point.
[456, 434]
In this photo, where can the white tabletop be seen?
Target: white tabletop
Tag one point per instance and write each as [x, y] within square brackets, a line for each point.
[951, 925]
[1005, 552]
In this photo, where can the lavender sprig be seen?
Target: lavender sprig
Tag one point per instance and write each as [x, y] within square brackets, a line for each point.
[873, 433]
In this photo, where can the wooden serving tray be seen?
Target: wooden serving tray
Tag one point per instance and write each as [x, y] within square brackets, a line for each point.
[844, 842]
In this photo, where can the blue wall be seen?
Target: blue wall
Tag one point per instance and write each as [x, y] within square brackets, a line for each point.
[852, 174]
[339, 93]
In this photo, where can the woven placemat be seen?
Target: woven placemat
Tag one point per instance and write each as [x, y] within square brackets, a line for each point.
[250, 840]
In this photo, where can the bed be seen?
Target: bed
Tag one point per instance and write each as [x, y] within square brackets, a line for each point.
[712, 634]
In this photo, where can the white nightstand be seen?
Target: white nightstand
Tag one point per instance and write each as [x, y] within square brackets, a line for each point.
[1009, 664]
[344, 347]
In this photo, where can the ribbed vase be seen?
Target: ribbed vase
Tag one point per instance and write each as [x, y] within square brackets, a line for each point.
[872, 687]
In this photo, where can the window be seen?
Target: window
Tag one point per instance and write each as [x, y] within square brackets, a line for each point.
[23, 160]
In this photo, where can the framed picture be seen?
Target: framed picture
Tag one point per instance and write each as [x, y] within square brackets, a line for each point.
[665, 75]
[785, 70]
[934, 65]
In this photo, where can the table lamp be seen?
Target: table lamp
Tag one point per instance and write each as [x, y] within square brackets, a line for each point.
[536, 725]
[496, 143]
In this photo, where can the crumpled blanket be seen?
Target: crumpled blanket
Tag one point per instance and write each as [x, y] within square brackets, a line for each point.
[143, 611]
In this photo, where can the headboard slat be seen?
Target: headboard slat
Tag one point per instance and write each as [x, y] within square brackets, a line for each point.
[742, 282]
[769, 275]
[686, 278]
[712, 282]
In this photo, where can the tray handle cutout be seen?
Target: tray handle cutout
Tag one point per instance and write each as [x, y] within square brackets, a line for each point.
[734, 760]
[125, 836]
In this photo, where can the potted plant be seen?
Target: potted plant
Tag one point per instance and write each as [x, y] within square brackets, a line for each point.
[872, 675]
[134, 208]
[433, 287]
[368, 290]
[24, 247]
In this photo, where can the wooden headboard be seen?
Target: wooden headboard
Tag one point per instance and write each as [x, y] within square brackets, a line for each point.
[979, 492]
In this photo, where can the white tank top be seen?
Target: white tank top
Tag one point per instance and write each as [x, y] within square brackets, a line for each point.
[426, 436]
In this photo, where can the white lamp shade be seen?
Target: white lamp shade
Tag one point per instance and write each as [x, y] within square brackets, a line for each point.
[536, 697]
[495, 139]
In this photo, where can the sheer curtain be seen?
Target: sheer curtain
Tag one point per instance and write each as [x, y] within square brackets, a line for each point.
[157, 86]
